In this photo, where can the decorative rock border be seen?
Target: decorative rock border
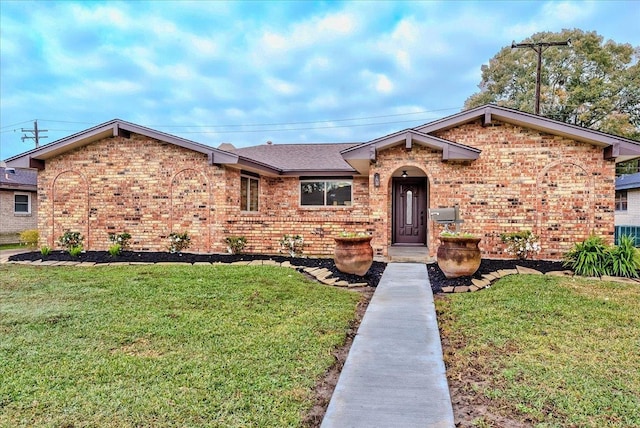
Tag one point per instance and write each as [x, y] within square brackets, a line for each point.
[488, 279]
[322, 275]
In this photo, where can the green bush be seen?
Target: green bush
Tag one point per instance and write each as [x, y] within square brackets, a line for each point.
[625, 258]
[179, 242]
[121, 239]
[45, 251]
[71, 240]
[75, 251]
[29, 237]
[115, 249]
[235, 244]
[589, 258]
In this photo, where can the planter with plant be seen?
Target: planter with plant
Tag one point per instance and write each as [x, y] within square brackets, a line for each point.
[353, 253]
[458, 254]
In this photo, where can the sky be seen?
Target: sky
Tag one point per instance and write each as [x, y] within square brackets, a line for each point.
[249, 72]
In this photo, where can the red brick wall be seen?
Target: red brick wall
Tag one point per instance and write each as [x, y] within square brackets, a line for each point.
[150, 188]
[560, 189]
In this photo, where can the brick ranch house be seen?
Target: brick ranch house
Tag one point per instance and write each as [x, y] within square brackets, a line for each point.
[507, 170]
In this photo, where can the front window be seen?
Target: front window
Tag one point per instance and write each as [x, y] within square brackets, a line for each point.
[248, 193]
[325, 192]
[621, 200]
[22, 203]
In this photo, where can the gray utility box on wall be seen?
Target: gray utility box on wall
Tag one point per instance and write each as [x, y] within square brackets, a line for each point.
[444, 215]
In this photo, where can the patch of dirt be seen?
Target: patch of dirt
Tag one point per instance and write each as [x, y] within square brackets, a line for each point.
[325, 386]
[372, 277]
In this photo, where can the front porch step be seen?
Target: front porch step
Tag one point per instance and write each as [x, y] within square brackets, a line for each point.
[409, 254]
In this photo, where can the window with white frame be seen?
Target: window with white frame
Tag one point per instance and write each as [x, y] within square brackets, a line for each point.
[326, 192]
[248, 193]
[22, 203]
[621, 200]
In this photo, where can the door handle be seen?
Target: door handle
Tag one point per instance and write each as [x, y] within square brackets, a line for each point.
[421, 218]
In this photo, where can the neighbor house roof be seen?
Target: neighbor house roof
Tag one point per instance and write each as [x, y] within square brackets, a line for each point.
[301, 159]
[630, 181]
[18, 179]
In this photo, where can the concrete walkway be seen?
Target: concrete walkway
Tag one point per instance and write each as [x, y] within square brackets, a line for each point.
[394, 375]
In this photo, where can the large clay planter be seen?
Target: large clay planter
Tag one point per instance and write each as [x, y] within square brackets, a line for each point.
[353, 255]
[458, 256]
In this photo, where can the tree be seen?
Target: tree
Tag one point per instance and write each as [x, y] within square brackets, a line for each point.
[592, 83]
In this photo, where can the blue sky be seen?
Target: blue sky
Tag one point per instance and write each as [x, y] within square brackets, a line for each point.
[248, 72]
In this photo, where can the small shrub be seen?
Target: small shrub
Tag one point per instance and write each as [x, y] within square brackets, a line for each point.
[235, 244]
[292, 244]
[71, 240]
[589, 258]
[625, 258]
[115, 250]
[521, 244]
[29, 237]
[75, 251]
[121, 239]
[45, 251]
[178, 242]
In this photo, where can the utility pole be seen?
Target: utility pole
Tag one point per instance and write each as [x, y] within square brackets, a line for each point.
[36, 134]
[539, 47]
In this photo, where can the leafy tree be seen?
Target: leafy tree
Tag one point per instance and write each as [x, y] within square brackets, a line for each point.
[592, 83]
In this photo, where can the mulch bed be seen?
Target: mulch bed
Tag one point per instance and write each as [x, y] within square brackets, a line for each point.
[371, 278]
[438, 280]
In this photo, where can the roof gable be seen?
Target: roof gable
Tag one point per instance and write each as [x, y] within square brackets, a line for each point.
[35, 158]
[616, 147]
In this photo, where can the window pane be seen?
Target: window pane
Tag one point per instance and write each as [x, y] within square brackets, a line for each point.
[253, 195]
[339, 193]
[409, 214]
[21, 203]
[244, 189]
[312, 193]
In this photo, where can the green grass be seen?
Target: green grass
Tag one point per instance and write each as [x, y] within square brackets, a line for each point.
[164, 345]
[557, 351]
[12, 247]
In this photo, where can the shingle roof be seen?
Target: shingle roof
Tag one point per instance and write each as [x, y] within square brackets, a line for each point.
[18, 179]
[299, 157]
[631, 181]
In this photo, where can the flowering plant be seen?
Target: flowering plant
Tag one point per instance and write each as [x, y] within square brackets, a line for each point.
[178, 242]
[521, 244]
[71, 240]
[292, 244]
[121, 239]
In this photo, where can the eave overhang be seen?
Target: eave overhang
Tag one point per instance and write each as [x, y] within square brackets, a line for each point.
[36, 158]
[615, 147]
[361, 156]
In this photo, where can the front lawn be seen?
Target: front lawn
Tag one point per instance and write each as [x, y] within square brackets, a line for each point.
[544, 351]
[164, 345]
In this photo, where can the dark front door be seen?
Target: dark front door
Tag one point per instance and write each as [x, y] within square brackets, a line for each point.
[409, 211]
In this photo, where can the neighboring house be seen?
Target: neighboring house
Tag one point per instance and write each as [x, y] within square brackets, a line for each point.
[506, 170]
[18, 203]
[627, 206]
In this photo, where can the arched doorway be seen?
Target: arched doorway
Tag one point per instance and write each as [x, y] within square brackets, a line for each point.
[409, 207]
